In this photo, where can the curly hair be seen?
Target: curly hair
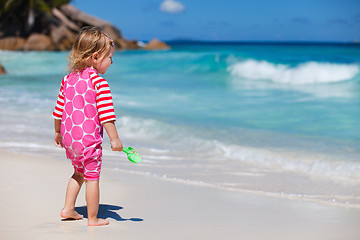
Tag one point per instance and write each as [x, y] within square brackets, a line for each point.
[89, 41]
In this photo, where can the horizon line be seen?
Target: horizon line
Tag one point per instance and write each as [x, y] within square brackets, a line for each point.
[195, 41]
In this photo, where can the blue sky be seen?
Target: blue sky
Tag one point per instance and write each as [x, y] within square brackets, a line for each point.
[231, 20]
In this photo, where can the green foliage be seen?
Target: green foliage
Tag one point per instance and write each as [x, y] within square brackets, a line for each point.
[58, 3]
[44, 6]
[26, 11]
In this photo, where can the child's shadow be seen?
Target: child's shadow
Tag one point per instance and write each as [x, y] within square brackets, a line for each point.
[107, 211]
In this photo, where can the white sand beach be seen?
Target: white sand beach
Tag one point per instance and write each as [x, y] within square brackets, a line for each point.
[143, 207]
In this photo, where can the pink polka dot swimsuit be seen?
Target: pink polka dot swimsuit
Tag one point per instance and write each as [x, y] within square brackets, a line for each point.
[84, 104]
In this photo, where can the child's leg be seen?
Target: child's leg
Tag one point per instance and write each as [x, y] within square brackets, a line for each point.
[72, 192]
[92, 200]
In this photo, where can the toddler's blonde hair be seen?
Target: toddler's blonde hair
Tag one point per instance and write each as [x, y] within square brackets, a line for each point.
[89, 41]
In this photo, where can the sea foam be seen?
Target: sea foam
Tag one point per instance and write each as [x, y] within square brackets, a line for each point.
[190, 144]
[305, 73]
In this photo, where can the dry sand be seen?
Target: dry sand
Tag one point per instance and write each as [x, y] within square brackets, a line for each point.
[143, 207]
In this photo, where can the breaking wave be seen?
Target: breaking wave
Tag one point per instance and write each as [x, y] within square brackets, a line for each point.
[305, 73]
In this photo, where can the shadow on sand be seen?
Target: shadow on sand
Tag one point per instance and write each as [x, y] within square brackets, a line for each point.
[107, 211]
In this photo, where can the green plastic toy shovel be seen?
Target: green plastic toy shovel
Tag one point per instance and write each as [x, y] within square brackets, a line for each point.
[132, 155]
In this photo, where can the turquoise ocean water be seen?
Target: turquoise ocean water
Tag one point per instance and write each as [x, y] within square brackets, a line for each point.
[274, 119]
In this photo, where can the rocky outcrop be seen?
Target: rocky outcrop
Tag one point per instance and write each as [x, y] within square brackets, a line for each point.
[155, 44]
[2, 69]
[12, 43]
[57, 31]
[39, 42]
[74, 15]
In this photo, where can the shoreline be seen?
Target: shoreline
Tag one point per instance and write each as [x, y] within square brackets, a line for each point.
[114, 167]
[144, 207]
[295, 197]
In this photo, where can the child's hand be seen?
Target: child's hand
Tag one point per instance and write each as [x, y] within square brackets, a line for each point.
[58, 140]
[116, 145]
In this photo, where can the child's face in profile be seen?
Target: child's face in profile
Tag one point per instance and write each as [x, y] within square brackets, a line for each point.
[102, 64]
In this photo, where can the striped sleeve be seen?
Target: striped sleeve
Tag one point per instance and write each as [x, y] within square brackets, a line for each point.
[59, 107]
[104, 102]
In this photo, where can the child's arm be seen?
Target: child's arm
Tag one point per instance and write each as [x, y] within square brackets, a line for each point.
[57, 137]
[116, 144]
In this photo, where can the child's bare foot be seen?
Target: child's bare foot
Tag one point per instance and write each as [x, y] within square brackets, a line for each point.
[98, 222]
[70, 215]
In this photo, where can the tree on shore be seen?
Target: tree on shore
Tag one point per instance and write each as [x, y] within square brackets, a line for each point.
[48, 25]
[28, 15]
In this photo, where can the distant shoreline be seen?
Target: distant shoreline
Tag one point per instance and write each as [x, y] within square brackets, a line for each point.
[296, 43]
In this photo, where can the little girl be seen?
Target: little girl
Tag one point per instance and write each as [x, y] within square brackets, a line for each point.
[84, 106]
